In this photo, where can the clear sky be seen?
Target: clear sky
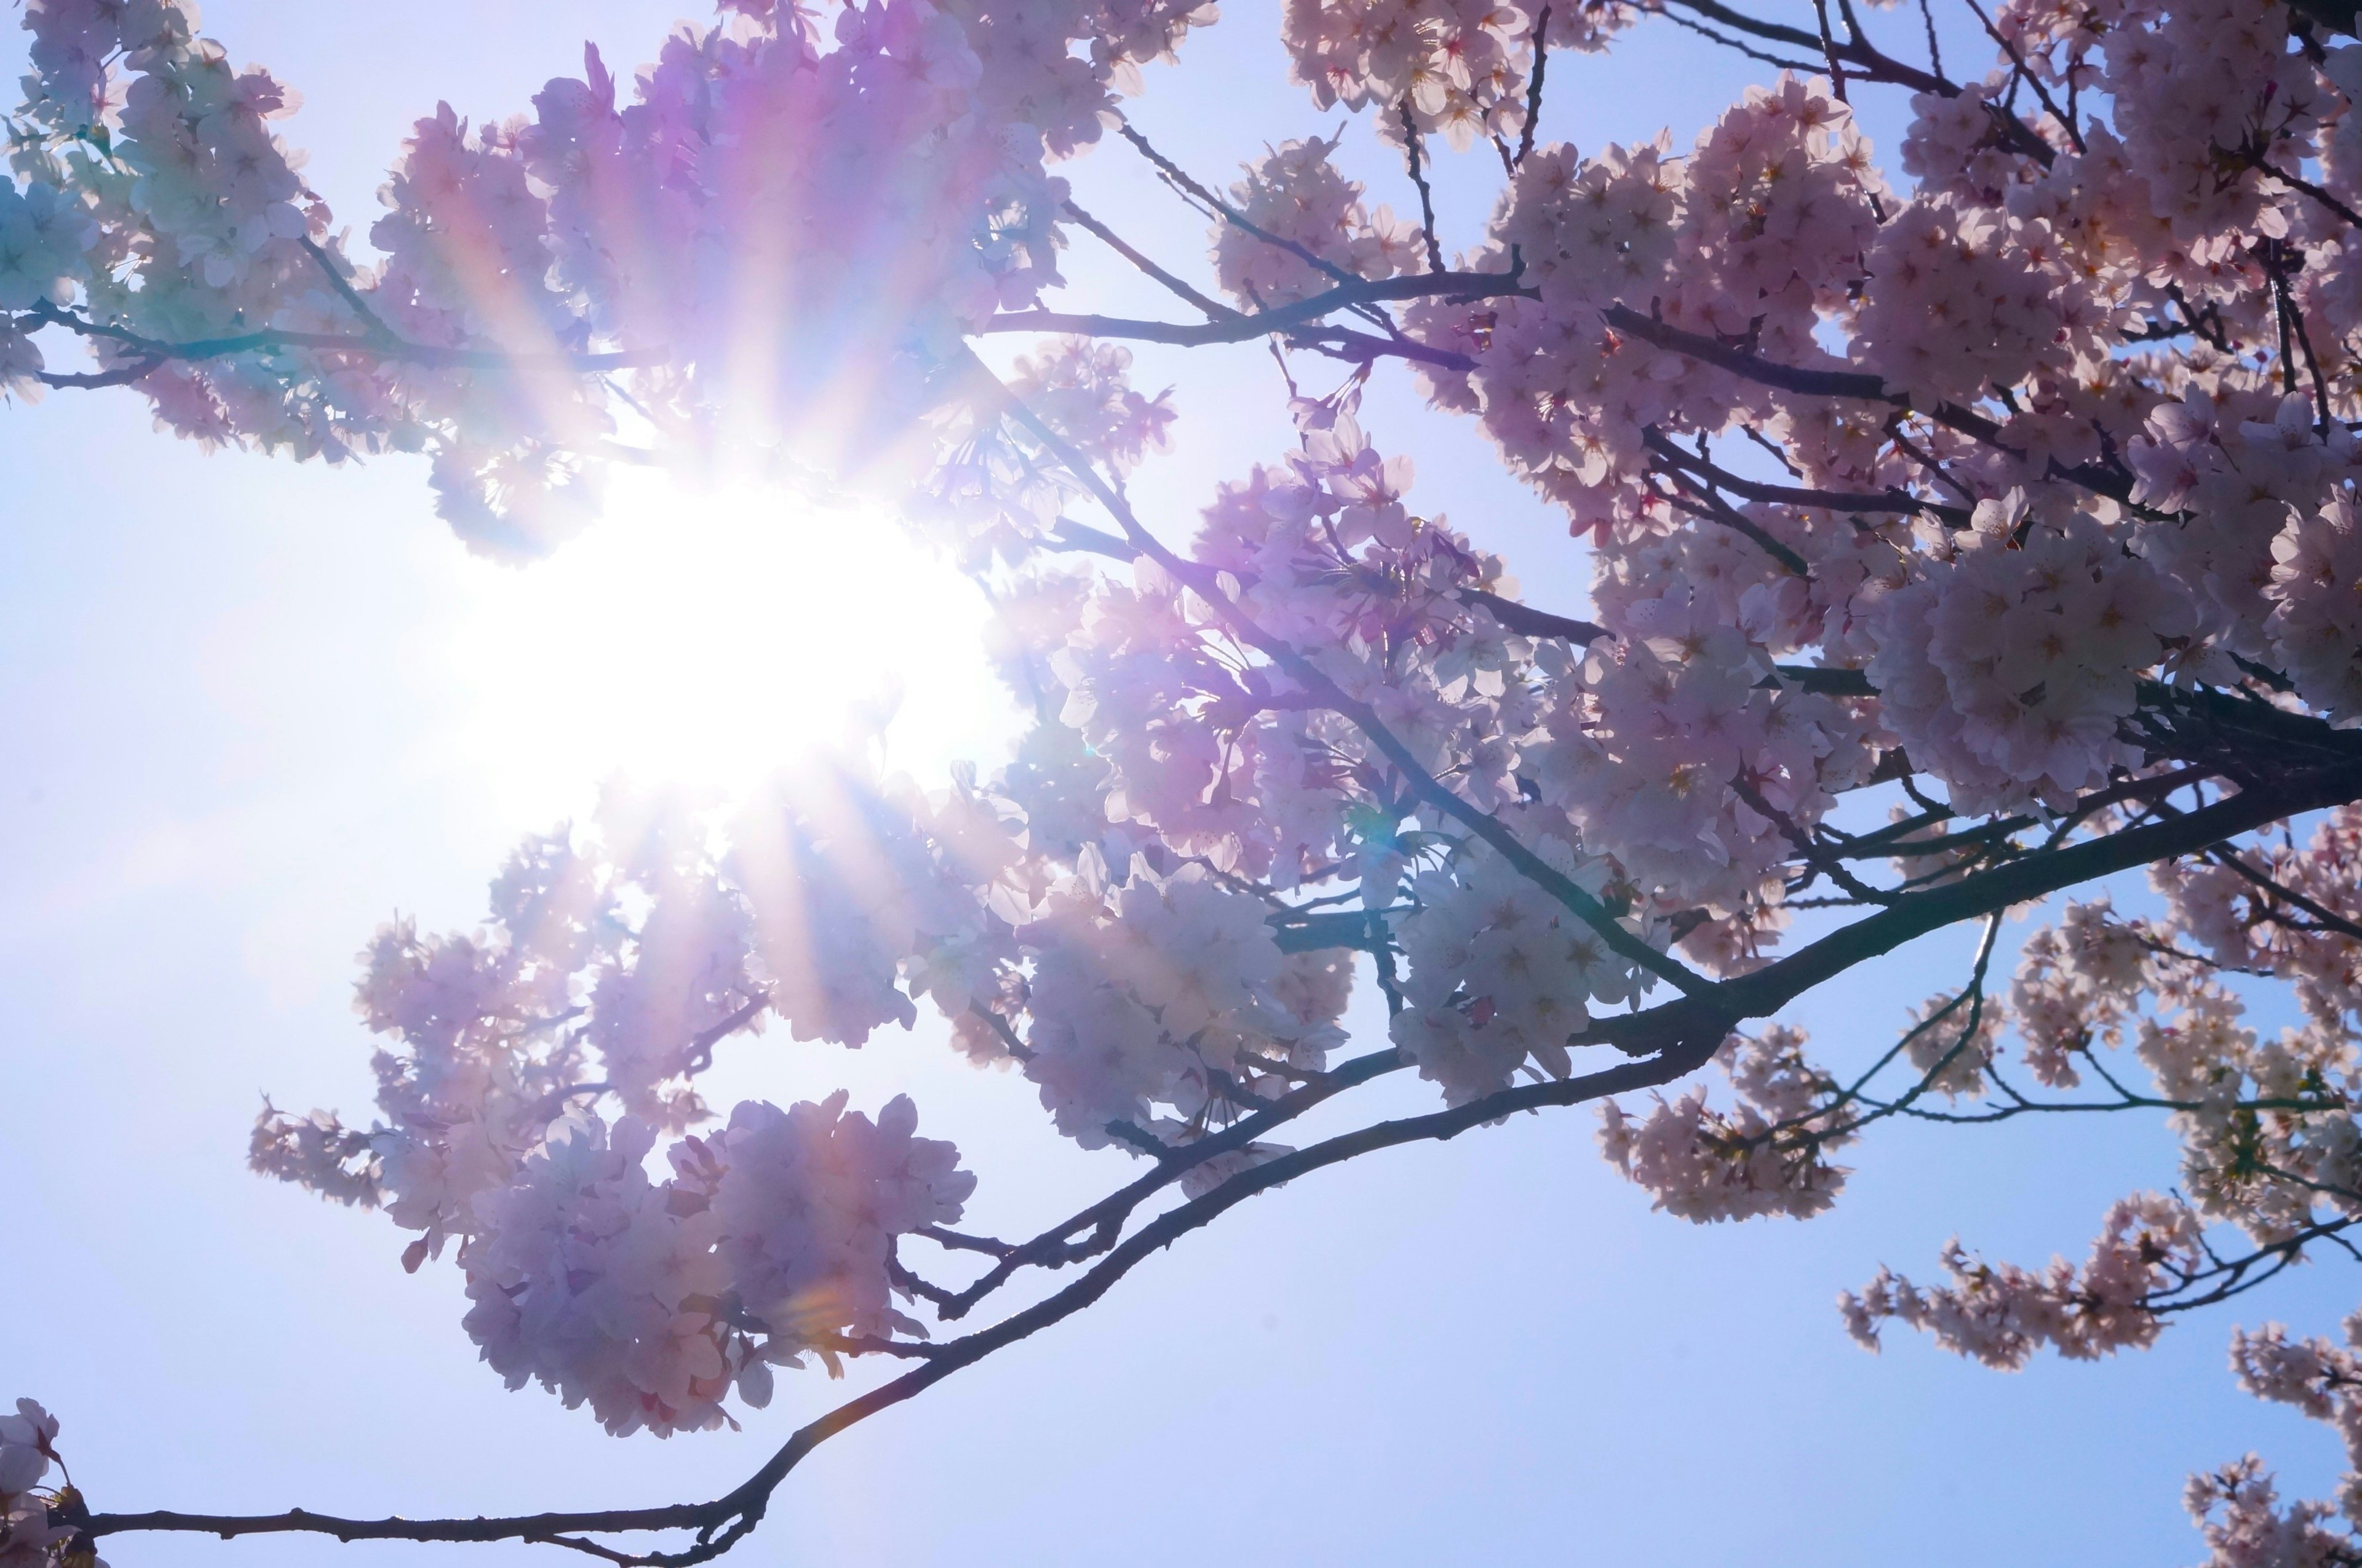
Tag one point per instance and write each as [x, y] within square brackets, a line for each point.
[248, 709]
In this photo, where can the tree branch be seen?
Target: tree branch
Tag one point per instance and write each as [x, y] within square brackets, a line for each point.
[723, 1522]
[368, 344]
[1115, 242]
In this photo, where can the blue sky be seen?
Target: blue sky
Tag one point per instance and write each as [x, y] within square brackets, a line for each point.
[253, 707]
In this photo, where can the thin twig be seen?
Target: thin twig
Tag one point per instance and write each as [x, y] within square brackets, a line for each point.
[1116, 243]
[1425, 196]
[1534, 90]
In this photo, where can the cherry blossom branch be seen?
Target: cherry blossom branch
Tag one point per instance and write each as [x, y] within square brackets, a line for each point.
[274, 340]
[1701, 502]
[1779, 61]
[1534, 91]
[2239, 1276]
[2026, 73]
[1870, 64]
[1057, 1247]
[701, 1048]
[2337, 16]
[1425, 195]
[2273, 254]
[2230, 860]
[2127, 1100]
[1859, 385]
[1829, 51]
[2257, 160]
[957, 1241]
[1314, 679]
[1458, 288]
[1893, 499]
[1762, 992]
[1973, 994]
[1890, 843]
[1528, 622]
[1818, 859]
[1180, 179]
[1713, 1006]
[720, 1523]
[2105, 479]
[344, 287]
[1342, 343]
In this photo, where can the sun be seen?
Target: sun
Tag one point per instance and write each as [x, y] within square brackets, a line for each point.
[707, 637]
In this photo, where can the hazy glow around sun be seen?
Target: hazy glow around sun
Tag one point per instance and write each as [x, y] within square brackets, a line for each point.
[707, 637]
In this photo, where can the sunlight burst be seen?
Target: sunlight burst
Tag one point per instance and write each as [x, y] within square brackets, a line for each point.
[707, 637]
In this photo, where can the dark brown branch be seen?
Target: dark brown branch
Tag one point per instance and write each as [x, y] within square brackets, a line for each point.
[700, 1047]
[2291, 324]
[2026, 73]
[1528, 622]
[1826, 680]
[924, 1289]
[1139, 1137]
[1829, 51]
[88, 381]
[1322, 930]
[2262, 165]
[1229, 213]
[1016, 1048]
[1457, 287]
[1777, 61]
[1862, 386]
[961, 1242]
[1867, 62]
[1700, 502]
[1534, 91]
[327, 263]
[1892, 499]
[1935, 50]
[1115, 242]
[1766, 991]
[2230, 860]
[1425, 195]
[1056, 1247]
[1891, 843]
[1360, 349]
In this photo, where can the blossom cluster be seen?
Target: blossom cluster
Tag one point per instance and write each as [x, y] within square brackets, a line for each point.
[2001, 1313]
[1459, 68]
[1767, 1155]
[30, 1536]
[653, 1301]
[1296, 195]
[2238, 1508]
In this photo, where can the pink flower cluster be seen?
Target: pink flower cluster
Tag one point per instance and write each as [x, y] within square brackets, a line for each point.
[1458, 67]
[2237, 1508]
[1296, 194]
[1767, 1155]
[2001, 1314]
[28, 1538]
[652, 1300]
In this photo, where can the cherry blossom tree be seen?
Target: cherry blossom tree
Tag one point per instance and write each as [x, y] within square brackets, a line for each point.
[1968, 527]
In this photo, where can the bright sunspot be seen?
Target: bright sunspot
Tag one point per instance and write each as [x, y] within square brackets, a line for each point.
[708, 637]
